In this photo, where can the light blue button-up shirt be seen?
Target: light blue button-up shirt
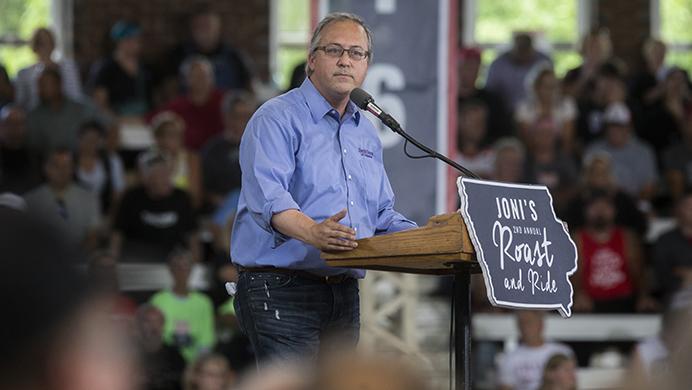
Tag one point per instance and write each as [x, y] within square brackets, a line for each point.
[296, 153]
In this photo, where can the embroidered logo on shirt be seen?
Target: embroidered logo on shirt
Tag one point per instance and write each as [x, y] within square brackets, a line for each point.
[365, 153]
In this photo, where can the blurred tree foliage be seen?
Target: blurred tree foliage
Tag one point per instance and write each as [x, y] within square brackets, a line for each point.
[497, 19]
[18, 19]
[553, 21]
[293, 34]
[676, 22]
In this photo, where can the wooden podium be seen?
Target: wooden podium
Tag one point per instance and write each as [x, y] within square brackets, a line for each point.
[442, 247]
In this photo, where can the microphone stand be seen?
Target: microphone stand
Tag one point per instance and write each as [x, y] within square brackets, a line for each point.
[395, 127]
[460, 324]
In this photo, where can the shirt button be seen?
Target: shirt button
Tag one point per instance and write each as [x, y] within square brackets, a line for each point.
[345, 151]
[352, 203]
[349, 177]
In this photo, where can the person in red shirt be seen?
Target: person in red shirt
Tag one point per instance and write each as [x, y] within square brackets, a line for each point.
[608, 278]
[200, 105]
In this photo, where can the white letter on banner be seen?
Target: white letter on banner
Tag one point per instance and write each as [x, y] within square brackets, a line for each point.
[382, 79]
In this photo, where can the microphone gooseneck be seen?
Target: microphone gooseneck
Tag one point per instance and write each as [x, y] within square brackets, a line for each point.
[364, 101]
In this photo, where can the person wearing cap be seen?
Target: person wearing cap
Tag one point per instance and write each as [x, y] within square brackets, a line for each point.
[154, 217]
[313, 179]
[120, 84]
[634, 164]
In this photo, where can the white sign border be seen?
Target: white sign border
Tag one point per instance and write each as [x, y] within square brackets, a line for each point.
[565, 312]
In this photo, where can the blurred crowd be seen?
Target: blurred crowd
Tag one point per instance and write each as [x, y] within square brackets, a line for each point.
[612, 142]
[139, 163]
[71, 331]
[133, 163]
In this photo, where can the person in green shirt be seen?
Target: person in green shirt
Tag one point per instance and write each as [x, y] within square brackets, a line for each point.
[189, 315]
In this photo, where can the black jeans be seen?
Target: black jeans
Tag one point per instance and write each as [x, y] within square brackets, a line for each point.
[287, 316]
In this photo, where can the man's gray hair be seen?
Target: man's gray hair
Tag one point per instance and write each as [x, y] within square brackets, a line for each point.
[236, 96]
[337, 17]
[187, 65]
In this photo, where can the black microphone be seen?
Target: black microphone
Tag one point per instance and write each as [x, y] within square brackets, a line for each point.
[364, 101]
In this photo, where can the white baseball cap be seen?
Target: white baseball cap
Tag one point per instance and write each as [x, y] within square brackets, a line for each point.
[617, 114]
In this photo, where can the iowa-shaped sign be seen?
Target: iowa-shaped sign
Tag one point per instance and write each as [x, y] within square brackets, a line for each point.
[525, 251]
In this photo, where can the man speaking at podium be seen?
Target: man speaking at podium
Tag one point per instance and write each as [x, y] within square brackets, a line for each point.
[313, 179]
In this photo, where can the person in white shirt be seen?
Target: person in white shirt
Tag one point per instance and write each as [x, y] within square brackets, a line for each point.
[545, 104]
[26, 84]
[653, 358]
[522, 368]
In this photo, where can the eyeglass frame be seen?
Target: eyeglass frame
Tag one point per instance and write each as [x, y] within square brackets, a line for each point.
[343, 49]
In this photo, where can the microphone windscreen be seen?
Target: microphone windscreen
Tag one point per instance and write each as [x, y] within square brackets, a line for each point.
[360, 98]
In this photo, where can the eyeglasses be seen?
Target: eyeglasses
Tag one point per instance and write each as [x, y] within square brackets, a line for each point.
[334, 50]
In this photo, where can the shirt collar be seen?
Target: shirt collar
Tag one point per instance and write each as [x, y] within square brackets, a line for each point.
[319, 107]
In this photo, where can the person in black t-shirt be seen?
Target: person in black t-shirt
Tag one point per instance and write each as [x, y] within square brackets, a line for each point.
[231, 70]
[677, 162]
[672, 253]
[666, 117]
[646, 86]
[120, 84]
[499, 117]
[596, 50]
[19, 167]
[155, 217]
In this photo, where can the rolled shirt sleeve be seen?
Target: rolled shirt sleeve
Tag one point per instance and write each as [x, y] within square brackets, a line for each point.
[267, 155]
